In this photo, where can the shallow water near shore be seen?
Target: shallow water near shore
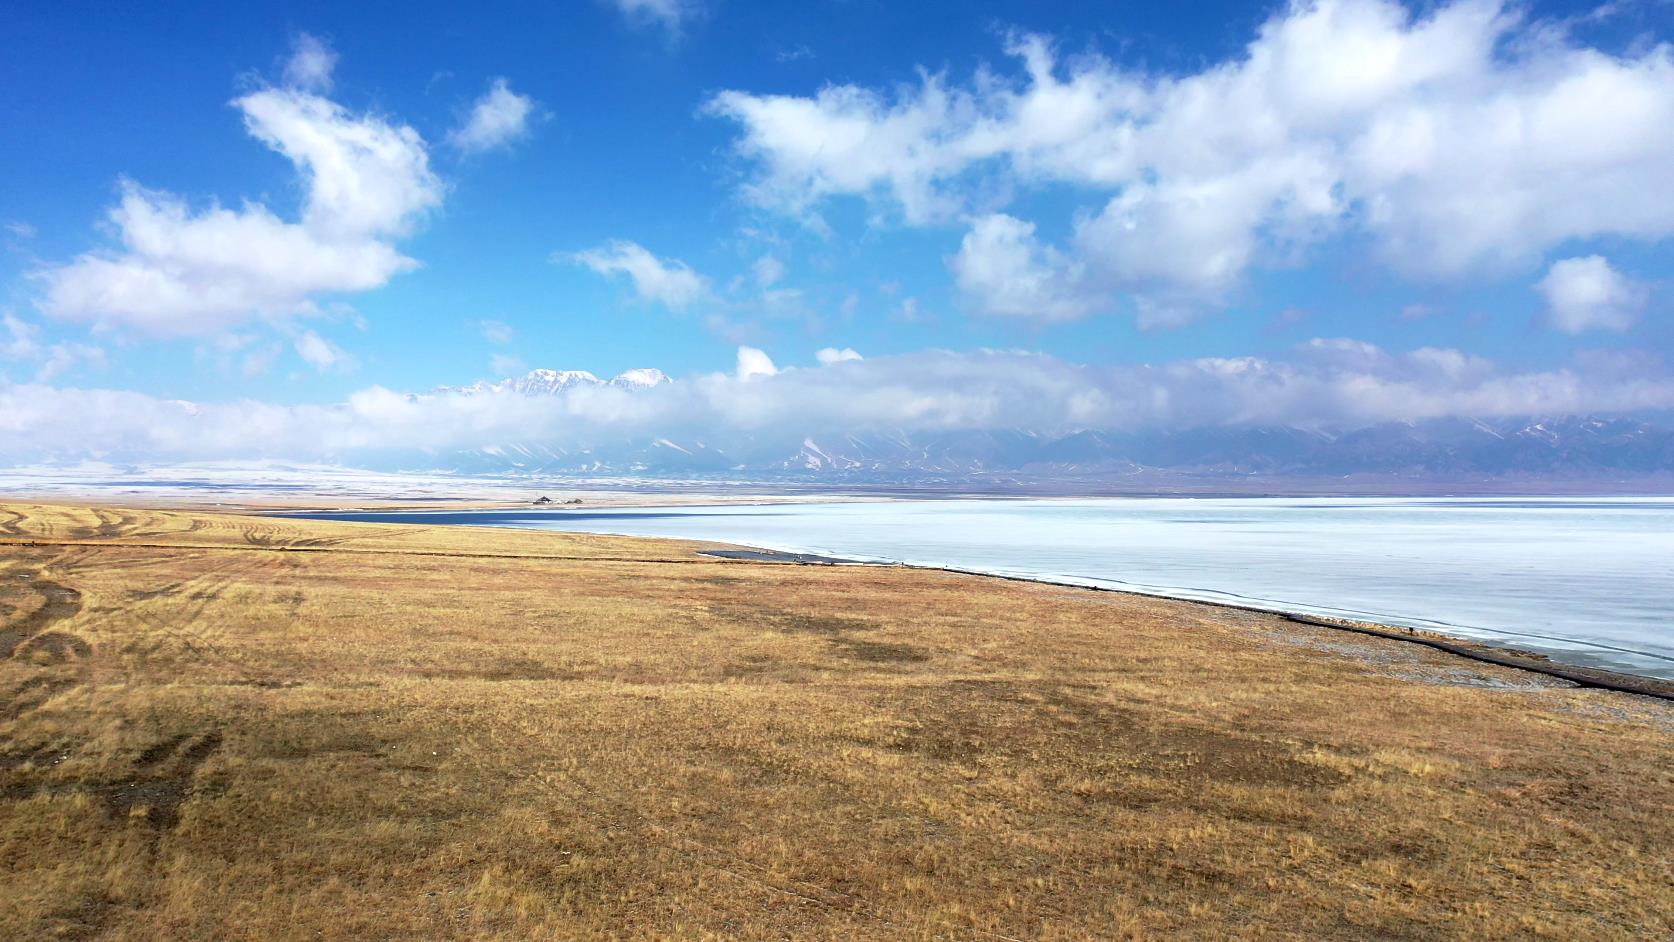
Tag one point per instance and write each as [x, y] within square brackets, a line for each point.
[1586, 581]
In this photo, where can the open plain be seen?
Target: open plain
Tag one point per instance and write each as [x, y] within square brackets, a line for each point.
[218, 726]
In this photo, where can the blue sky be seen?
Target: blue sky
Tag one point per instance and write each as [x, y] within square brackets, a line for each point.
[1181, 183]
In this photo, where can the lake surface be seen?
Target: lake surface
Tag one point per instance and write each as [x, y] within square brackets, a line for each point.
[1587, 581]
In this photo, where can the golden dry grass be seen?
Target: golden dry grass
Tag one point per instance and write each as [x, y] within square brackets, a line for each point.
[217, 727]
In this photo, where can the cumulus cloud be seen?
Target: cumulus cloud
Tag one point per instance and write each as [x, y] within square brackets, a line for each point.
[498, 119]
[669, 282]
[1326, 382]
[1001, 269]
[364, 175]
[830, 355]
[753, 363]
[184, 271]
[1587, 293]
[311, 63]
[1462, 139]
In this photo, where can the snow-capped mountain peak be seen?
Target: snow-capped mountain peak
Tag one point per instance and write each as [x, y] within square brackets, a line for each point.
[643, 378]
[548, 382]
[1464, 452]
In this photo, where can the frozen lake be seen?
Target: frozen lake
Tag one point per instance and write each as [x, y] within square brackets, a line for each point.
[1587, 581]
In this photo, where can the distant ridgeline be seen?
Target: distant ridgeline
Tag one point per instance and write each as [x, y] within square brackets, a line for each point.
[1573, 449]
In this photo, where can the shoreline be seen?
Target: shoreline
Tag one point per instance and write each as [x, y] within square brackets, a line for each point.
[1498, 655]
[276, 726]
[1507, 654]
[235, 487]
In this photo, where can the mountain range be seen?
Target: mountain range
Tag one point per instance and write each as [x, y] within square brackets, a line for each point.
[1449, 449]
[550, 382]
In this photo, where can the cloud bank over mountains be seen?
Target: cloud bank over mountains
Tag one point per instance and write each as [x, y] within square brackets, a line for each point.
[1460, 143]
[1325, 383]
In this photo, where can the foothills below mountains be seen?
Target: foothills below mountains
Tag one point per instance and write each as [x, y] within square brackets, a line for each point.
[1571, 448]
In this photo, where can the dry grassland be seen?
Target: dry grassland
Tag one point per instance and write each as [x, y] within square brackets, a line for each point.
[220, 727]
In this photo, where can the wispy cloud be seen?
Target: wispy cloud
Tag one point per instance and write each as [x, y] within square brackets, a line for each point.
[311, 64]
[497, 331]
[321, 354]
[669, 282]
[22, 343]
[670, 16]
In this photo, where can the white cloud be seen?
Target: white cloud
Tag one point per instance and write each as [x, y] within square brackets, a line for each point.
[23, 338]
[62, 357]
[499, 118]
[311, 63]
[1002, 270]
[846, 140]
[322, 354]
[669, 15]
[1325, 382]
[200, 273]
[180, 271]
[753, 363]
[23, 343]
[1586, 294]
[1461, 140]
[670, 282]
[830, 355]
[365, 176]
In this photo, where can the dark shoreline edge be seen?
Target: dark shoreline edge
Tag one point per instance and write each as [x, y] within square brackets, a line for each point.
[1498, 655]
[1501, 656]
